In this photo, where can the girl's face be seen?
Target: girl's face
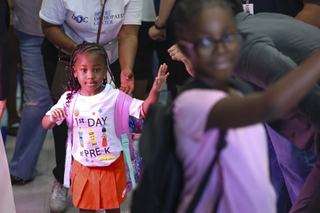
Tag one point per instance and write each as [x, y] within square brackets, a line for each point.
[211, 43]
[90, 69]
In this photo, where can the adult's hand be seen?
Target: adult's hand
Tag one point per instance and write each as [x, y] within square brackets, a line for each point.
[127, 81]
[157, 34]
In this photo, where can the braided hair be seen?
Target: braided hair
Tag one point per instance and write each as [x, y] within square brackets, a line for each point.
[86, 47]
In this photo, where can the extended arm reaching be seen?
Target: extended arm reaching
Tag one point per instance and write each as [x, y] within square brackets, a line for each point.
[157, 86]
[268, 105]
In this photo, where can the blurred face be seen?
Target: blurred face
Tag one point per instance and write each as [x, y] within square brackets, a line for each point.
[90, 69]
[211, 43]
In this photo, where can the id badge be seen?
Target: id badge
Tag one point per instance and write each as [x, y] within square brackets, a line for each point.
[248, 8]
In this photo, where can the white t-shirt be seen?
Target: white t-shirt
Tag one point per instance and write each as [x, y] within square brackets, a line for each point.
[80, 19]
[95, 142]
[26, 17]
[244, 160]
[148, 11]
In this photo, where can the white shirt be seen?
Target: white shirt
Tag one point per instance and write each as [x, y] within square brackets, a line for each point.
[148, 11]
[95, 142]
[80, 19]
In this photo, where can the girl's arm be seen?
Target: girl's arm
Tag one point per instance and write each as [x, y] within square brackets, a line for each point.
[128, 42]
[234, 111]
[57, 36]
[49, 121]
[157, 86]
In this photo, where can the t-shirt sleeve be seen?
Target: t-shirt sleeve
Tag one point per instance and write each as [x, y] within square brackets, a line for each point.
[53, 12]
[136, 108]
[133, 12]
[191, 110]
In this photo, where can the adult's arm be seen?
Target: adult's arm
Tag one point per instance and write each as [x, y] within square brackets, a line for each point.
[128, 42]
[57, 36]
[310, 13]
[263, 65]
[164, 13]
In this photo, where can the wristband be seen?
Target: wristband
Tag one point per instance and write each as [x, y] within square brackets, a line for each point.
[159, 28]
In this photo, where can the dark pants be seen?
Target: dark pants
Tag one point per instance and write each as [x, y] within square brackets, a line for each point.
[143, 64]
[60, 133]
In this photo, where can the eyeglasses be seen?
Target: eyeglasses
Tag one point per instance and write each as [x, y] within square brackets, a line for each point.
[207, 46]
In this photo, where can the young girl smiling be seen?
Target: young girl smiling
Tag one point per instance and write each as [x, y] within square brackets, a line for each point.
[98, 170]
[207, 36]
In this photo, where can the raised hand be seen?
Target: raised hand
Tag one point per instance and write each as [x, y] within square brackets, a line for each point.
[161, 78]
[177, 55]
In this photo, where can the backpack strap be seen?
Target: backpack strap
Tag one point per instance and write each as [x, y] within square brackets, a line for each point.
[220, 145]
[121, 121]
[242, 86]
[121, 118]
[68, 158]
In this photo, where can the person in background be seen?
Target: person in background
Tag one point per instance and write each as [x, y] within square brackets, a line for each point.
[15, 78]
[31, 134]
[163, 30]
[283, 48]
[207, 35]
[6, 199]
[98, 181]
[144, 60]
[307, 11]
[67, 24]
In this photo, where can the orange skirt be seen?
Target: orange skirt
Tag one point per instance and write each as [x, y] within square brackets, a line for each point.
[95, 188]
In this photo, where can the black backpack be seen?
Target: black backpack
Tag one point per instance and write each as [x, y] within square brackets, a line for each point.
[161, 181]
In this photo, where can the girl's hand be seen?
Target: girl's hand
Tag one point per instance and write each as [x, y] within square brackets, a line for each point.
[57, 115]
[177, 55]
[127, 81]
[161, 79]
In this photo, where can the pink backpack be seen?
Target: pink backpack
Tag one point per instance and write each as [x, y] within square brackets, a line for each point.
[132, 157]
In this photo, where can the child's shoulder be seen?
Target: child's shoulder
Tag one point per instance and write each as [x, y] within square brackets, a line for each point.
[110, 89]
